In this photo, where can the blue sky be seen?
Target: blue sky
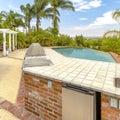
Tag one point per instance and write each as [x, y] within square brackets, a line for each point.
[91, 17]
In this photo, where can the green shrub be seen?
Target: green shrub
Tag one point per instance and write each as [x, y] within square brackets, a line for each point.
[21, 40]
[1, 38]
[93, 43]
[79, 40]
[64, 40]
[43, 37]
[111, 44]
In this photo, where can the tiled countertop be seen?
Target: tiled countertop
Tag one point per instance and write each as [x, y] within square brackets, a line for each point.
[98, 76]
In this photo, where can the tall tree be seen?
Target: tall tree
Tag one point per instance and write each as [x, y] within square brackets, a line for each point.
[28, 14]
[1, 21]
[41, 11]
[116, 15]
[12, 20]
[56, 4]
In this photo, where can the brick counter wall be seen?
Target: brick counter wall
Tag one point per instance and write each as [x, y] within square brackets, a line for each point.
[108, 112]
[44, 102]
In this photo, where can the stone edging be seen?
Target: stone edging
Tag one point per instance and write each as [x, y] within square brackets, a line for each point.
[115, 56]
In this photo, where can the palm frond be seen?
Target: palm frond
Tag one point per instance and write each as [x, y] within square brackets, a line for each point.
[116, 15]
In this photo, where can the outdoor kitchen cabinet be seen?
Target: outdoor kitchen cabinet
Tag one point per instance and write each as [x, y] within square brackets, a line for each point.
[78, 104]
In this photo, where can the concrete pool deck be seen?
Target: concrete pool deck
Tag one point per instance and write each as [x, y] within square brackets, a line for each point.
[11, 88]
[5, 115]
[10, 75]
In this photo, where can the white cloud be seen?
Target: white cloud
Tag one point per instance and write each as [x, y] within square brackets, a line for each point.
[76, 1]
[13, 7]
[82, 19]
[106, 19]
[88, 31]
[96, 28]
[85, 5]
[95, 3]
[84, 31]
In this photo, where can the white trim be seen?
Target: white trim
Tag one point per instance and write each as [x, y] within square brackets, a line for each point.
[4, 44]
[9, 42]
[8, 31]
[14, 42]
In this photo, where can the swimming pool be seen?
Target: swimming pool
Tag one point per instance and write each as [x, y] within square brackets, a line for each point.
[85, 53]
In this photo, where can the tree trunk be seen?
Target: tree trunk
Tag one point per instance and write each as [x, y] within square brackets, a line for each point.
[54, 18]
[37, 23]
[29, 26]
[55, 22]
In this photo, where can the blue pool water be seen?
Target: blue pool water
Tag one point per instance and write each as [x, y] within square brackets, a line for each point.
[86, 54]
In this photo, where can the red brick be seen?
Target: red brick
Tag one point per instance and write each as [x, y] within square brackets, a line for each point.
[42, 81]
[53, 99]
[53, 115]
[47, 100]
[48, 117]
[6, 105]
[48, 109]
[57, 83]
[1, 100]
[58, 90]
[58, 113]
[107, 112]
[104, 114]
[105, 100]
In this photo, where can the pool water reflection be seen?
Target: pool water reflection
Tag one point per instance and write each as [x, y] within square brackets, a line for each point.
[85, 53]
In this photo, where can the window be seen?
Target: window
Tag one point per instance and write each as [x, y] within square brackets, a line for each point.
[114, 102]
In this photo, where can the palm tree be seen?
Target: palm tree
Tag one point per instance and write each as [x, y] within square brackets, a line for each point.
[56, 4]
[41, 11]
[116, 15]
[111, 33]
[28, 14]
[12, 20]
[1, 21]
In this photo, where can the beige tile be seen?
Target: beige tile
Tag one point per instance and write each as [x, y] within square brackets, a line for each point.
[92, 74]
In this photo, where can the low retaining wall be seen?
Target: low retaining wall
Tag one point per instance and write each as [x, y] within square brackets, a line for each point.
[115, 56]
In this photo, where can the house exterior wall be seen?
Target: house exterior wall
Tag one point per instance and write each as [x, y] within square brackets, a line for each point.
[108, 112]
[44, 102]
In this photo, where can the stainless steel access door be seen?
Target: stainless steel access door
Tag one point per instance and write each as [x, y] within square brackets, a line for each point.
[77, 105]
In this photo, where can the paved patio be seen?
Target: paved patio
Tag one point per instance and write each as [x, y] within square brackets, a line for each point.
[5, 115]
[10, 74]
[11, 88]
